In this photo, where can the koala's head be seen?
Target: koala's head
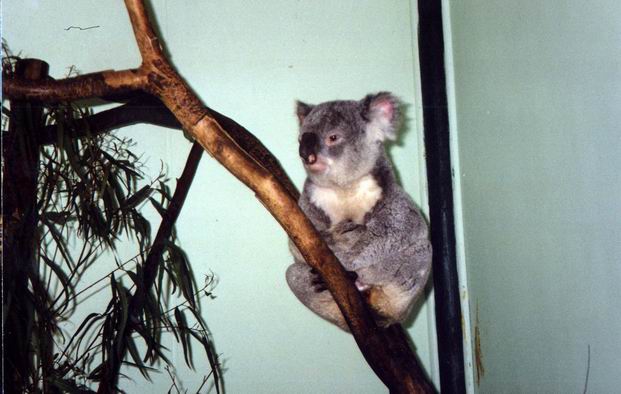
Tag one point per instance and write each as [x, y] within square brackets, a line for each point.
[340, 141]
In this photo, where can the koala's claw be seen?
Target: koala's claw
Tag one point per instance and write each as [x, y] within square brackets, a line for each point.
[348, 226]
[317, 281]
[319, 285]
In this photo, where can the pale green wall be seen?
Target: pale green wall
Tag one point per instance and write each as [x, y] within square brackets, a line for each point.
[537, 88]
[251, 60]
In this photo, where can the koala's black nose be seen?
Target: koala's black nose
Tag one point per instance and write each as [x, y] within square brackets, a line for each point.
[309, 144]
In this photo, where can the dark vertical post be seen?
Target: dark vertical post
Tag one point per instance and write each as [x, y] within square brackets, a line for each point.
[20, 171]
[439, 175]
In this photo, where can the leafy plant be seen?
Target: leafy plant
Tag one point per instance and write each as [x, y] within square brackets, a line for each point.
[91, 192]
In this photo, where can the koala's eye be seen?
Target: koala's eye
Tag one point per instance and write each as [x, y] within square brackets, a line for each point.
[333, 138]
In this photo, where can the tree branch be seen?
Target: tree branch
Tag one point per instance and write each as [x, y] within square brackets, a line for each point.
[112, 119]
[150, 268]
[147, 109]
[76, 88]
[158, 77]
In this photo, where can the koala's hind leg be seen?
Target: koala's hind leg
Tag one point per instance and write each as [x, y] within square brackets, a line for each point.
[300, 280]
[390, 303]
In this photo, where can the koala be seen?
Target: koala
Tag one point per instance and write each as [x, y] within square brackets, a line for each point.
[353, 199]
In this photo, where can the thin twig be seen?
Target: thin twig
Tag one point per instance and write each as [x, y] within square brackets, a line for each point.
[93, 284]
[205, 379]
[172, 377]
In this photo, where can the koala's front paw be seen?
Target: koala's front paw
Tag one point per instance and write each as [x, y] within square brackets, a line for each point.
[319, 285]
[347, 226]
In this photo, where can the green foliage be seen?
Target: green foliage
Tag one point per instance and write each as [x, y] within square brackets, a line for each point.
[91, 195]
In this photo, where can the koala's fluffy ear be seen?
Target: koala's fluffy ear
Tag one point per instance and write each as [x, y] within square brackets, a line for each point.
[381, 111]
[301, 110]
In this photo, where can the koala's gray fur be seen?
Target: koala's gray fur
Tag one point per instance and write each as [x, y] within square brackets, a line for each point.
[352, 197]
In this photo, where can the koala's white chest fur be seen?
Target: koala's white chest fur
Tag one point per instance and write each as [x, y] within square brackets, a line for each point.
[347, 204]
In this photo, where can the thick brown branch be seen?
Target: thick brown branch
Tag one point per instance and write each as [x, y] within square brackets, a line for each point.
[255, 148]
[148, 42]
[71, 89]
